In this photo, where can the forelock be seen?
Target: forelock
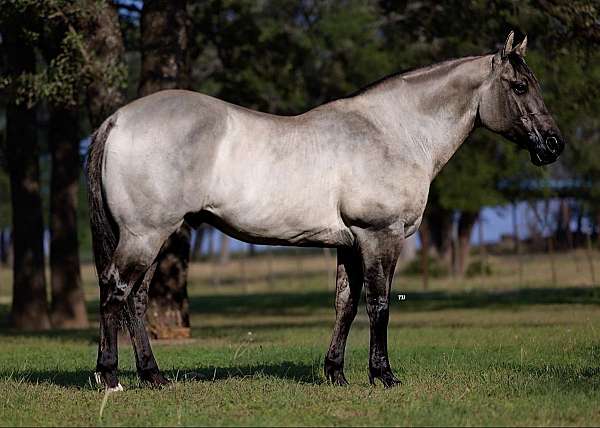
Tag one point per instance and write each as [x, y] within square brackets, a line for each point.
[520, 66]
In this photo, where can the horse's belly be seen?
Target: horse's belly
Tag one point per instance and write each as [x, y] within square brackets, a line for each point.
[280, 227]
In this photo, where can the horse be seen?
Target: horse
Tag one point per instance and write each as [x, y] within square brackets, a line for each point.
[352, 174]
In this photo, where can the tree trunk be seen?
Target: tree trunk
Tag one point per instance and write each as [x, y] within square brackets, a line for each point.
[3, 247]
[440, 222]
[164, 66]
[164, 46]
[105, 41]
[68, 302]
[211, 242]
[197, 249]
[482, 250]
[564, 237]
[30, 305]
[224, 254]
[424, 234]
[168, 303]
[466, 222]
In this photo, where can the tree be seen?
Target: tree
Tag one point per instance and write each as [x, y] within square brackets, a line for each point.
[164, 36]
[105, 51]
[68, 302]
[65, 38]
[30, 306]
[5, 206]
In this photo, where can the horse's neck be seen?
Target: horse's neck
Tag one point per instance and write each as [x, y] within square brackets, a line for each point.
[432, 111]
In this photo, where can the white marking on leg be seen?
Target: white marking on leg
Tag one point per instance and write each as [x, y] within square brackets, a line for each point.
[117, 388]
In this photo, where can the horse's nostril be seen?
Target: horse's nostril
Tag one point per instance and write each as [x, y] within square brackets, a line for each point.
[552, 144]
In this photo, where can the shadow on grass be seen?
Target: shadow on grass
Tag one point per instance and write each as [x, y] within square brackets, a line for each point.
[418, 301]
[63, 378]
[525, 379]
[561, 378]
[89, 335]
[286, 370]
[304, 303]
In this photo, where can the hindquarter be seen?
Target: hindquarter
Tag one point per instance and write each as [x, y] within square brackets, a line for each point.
[159, 158]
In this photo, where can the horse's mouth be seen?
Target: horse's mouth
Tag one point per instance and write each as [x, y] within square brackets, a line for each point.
[546, 151]
[538, 154]
[541, 158]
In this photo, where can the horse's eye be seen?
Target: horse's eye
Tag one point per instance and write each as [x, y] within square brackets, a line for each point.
[519, 87]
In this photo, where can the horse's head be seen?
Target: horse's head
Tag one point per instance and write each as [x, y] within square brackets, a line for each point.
[512, 105]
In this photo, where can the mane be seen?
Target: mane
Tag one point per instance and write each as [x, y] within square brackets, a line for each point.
[411, 72]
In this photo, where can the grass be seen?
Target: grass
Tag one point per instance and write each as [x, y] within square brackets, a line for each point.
[478, 351]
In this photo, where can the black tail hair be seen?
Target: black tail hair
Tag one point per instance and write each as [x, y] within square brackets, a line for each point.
[104, 229]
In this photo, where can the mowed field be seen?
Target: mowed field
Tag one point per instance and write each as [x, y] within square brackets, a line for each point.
[506, 349]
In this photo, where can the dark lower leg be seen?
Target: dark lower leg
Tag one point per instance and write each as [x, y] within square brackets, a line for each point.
[379, 364]
[145, 362]
[348, 288]
[146, 365]
[378, 281]
[114, 290]
[108, 359]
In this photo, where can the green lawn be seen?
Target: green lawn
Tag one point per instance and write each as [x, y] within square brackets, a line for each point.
[521, 356]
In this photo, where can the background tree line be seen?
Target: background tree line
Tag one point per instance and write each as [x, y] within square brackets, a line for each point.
[66, 65]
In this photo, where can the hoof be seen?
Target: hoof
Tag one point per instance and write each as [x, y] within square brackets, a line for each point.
[117, 388]
[337, 378]
[334, 373]
[386, 377]
[154, 379]
[109, 381]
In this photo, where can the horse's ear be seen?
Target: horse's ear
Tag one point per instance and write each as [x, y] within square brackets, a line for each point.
[521, 48]
[508, 45]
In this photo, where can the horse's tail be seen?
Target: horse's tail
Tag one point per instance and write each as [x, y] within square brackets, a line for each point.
[104, 229]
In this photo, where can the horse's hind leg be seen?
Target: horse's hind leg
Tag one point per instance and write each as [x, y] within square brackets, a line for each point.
[132, 258]
[347, 296]
[108, 359]
[145, 362]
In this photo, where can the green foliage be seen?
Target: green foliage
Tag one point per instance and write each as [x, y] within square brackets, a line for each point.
[288, 56]
[57, 29]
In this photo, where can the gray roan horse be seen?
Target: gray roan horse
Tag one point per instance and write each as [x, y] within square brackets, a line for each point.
[353, 174]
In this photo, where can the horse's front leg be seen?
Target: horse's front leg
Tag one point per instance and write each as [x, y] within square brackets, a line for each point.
[380, 251]
[347, 296]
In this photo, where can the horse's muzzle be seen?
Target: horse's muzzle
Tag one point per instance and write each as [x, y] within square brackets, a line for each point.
[546, 151]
